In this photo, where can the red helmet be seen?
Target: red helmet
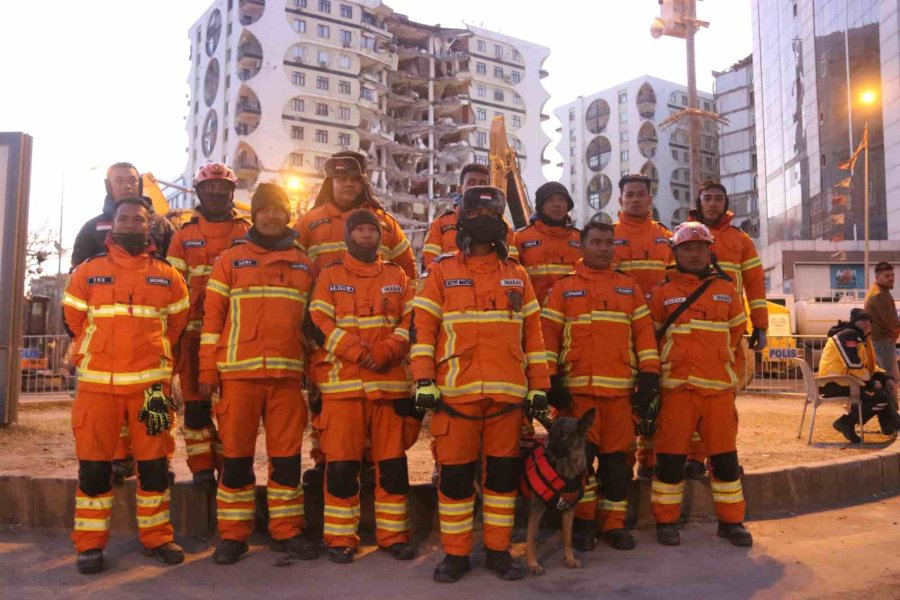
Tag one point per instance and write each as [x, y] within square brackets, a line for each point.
[692, 231]
[214, 170]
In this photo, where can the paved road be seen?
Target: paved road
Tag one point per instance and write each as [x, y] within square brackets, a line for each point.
[847, 553]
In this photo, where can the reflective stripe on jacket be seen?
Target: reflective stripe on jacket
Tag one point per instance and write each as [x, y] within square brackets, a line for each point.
[847, 352]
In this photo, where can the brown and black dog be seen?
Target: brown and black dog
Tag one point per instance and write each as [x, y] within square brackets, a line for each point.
[564, 454]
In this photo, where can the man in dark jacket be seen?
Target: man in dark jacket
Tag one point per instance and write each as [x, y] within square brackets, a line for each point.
[122, 181]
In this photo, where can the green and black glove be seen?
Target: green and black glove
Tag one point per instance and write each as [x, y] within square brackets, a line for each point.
[427, 395]
[645, 403]
[155, 411]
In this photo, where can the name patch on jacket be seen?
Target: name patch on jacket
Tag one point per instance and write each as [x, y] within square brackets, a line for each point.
[457, 283]
[574, 244]
[672, 301]
[511, 282]
[531, 244]
[620, 242]
[104, 226]
[194, 243]
[447, 228]
[624, 290]
[722, 298]
[662, 240]
[318, 222]
[244, 262]
[236, 241]
[164, 281]
[299, 267]
[574, 294]
[392, 289]
[101, 280]
[340, 287]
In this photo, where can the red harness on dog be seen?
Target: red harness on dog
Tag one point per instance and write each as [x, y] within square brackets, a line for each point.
[541, 478]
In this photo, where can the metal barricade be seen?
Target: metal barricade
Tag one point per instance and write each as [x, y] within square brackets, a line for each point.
[43, 364]
[772, 371]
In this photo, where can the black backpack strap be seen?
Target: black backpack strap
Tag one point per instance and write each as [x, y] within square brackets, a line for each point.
[683, 307]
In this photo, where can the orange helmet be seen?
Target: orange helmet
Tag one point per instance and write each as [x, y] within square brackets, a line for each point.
[692, 231]
[214, 170]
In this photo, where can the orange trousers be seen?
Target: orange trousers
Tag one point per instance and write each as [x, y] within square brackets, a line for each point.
[201, 440]
[715, 418]
[279, 403]
[96, 423]
[344, 426]
[460, 443]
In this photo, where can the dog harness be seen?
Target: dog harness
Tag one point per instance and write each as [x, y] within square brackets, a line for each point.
[550, 486]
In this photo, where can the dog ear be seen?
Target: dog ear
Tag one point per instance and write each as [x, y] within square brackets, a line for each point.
[586, 420]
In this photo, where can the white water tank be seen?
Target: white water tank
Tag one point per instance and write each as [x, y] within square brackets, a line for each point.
[816, 318]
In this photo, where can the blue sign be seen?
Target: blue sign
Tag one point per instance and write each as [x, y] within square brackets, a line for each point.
[784, 353]
[29, 353]
[847, 277]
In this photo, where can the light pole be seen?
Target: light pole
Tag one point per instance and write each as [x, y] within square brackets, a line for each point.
[867, 98]
[62, 204]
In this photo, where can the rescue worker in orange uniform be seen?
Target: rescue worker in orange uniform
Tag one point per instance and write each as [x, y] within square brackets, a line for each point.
[600, 345]
[360, 310]
[550, 246]
[441, 236]
[193, 250]
[642, 251]
[734, 253]
[345, 188]
[252, 345]
[126, 308]
[699, 320]
[477, 353]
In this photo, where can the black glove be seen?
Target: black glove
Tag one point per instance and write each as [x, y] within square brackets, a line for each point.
[645, 403]
[406, 407]
[314, 399]
[427, 395]
[536, 405]
[559, 396]
[155, 411]
[758, 339]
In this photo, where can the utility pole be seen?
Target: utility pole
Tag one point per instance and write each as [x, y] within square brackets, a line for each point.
[691, 27]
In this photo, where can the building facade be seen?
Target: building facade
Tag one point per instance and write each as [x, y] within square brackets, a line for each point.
[735, 102]
[813, 59]
[619, 131]
[277, 87]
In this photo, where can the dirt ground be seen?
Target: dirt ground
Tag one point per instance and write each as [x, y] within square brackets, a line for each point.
[41, 443]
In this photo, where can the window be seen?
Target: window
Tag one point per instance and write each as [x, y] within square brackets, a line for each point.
[480, 68]
[623, 117]
[571, 114]
[517, 99]
[571, 135]
[344, 113]
[498, 51]
[625, 172]
[623, 97]
[517, 144]
[322, 83]
[684, 99]
[325, 6]
[623, 155]
[321, 136]
[343, 139]
[344, 87]
[750, 98]
[498, 95]
[675, 154]
[673, 98]
[299, 25]
[322, 57]
[677, 194]
[498, 72]
[481, 139]
[572, 151]
[345, 62]
[297, 104]
[346, 11]
[367, 94]
[480, 91]
[675, 175]
[368, 43]
[516, 121]
[300, 3]
[481, 46]
[298, 78]
[322, 109]
[296, 159]
[296, 132]
[480, 159]
[480, 114]
[623, 136]
[320, 163]
[516, 77]
[516, 56]
[346, 38]
[323, 31]
[299, 53]
[593, 160]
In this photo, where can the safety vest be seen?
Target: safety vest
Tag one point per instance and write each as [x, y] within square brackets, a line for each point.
[541, 478]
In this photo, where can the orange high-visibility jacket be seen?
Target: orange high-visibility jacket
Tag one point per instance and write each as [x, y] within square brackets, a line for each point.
[355, 307]
[642, 249]
[126, 313]
[441, 238]
[322, 236]
[193, 250]
[547, 253]
[253, 313]
[698, 349]
[737, 256]
[598, 332]
[477, 330]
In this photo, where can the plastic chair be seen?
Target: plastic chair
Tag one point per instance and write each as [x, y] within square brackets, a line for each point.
[815, 398]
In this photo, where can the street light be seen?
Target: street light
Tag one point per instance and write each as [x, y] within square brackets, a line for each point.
[867, 98]
[62, 204]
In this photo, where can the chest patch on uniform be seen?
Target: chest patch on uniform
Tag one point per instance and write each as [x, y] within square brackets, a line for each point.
[101, 280]
[299, 267]
[104, 226]
[163, 281]
[457, 283]
[194, 243]
[515, 300]
[620, 242]
[575, 294]
[447, 228]
[722, 298]
[392, 289]
[340, 287]
[625, 290]
[244, 262]
[318, 222]
[662, 240]
[672, 301]
[531, 244]
[574, 244]
[511, 282]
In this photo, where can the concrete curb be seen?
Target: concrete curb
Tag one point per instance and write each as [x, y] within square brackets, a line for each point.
[42, 502]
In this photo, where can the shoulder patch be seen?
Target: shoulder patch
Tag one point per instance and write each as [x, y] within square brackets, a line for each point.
[163, 281]
[458, 283]
[531, 243]
[574, 243]
[101, 280]
[195, 243]
[340, 287]
[299, 266]
[446, 228]
[238, 241]
[722, 298]
[671, 301]
[661, 240]
[244, 262]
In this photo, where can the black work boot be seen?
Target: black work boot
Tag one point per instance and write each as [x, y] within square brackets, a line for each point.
[205, 480]
[846, 426]
[504, 565]
[301, 547]
[584, 533]
[314, 476]
[229, 552]
[452, 568]
[735, 533]
[694, 469]
[620, 539]
[122, 469]
[401, 551]
[341, 555]
[90, 561]
[169, 553]
[667, 534]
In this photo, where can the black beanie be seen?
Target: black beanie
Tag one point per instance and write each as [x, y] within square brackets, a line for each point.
[267, 194]
[551, 188]
[358, 217]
